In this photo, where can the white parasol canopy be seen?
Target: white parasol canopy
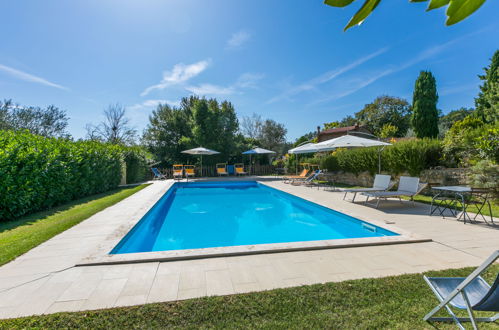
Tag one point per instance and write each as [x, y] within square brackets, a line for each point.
[346, 141]
[200, 151]
[304, 149]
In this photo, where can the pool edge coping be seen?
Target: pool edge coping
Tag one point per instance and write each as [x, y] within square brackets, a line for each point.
[101, 256]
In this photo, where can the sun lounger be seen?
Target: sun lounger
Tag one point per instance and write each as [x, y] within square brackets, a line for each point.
[381, 183]
[408, 187]
[307, 181]
[240, 169]
[303, 175]
[472, 293]
[189, 171]
[157, 174]
[178, 171]
[222, 169]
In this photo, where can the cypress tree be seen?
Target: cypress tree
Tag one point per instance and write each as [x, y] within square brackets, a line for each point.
[487, 102]
[424, 106]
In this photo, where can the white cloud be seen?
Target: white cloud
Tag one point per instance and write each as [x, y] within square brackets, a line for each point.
[245, 81]
[29, 77]
[152, 104]
[238, 39]
[325, 77]
[209, 89]
[180, 73]
[249, 80]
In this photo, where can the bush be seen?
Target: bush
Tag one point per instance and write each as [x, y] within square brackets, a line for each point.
[485, 174]
[136, 160]
[38, 173]
[410, 156]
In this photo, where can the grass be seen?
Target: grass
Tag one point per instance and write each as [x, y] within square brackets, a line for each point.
[19, 236]
[495, 206]
[397, 302]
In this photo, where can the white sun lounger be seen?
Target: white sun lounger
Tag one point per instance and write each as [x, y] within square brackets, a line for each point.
[408, 186]
[381, 183]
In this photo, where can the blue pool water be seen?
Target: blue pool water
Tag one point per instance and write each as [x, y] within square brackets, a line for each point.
[215, 214]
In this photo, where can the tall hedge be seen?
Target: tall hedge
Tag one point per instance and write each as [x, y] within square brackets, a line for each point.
[136, 160]
[37, 173]
[410, 156]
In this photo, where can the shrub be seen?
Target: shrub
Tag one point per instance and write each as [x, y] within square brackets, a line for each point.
[410, 156]
[136, 160]
[38, 172]
[485, 174]
[469, 140]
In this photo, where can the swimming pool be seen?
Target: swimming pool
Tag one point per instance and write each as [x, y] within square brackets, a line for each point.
[200, 215]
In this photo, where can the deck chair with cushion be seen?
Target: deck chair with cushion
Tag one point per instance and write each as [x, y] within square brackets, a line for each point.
[222, 169]
[472, 293]
[157, 174]
[381, 183]
[240, 169]
[303, 175]
[308, 181]
[178, 171]
[189, 171]
[408, 187]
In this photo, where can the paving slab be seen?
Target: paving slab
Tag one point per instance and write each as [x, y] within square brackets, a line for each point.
[44, 280]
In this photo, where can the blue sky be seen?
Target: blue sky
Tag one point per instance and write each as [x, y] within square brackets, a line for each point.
[285, 60]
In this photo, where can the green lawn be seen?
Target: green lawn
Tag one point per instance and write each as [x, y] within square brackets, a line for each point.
[397, 302]
[495, 206]
[19, 236]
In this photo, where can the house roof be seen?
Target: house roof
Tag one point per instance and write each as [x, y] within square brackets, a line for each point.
[341, 129]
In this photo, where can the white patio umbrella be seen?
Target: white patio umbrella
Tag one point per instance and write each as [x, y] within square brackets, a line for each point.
[303, 149]
[347, 141]
[257, 151]
[200, 151]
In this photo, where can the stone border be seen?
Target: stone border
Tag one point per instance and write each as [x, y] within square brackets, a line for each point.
[101, 255]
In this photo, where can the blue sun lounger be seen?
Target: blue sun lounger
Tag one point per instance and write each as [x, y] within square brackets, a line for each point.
[472, 293]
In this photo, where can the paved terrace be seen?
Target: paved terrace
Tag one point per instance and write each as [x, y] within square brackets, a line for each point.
[44, 280]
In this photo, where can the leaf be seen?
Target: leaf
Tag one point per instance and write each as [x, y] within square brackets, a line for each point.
[434, 4]
[460, 9]
[362, 14]
[338, 3]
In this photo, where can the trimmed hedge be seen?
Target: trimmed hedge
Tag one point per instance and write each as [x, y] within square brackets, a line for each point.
[37, 173]
[410, 156]
[136, 160]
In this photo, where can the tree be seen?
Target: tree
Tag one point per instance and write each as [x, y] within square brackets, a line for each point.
[252, 126]
[272, 135]
[457, 10]
[385, 110]
[487, 102]
[388, 131]
[168, 133]
[114, 129]
[197, 122]
[348, 121]
[310, 136]
[453, 116]
[48, 122]
[424, 106]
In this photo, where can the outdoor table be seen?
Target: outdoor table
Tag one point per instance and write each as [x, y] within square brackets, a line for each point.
[459, 193]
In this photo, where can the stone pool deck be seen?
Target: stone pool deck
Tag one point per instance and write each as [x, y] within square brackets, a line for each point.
[44, 280]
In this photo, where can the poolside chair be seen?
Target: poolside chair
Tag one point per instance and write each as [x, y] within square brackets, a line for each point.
[178, 171]
[381, 183]
[189, 171]
[157, 174]
[222, 169]
[303, 175]
[408, 186]
[240, 169]
[307, 181]
[472, 293]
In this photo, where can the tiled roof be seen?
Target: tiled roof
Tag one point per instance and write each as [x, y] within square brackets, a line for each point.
[341, 129]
